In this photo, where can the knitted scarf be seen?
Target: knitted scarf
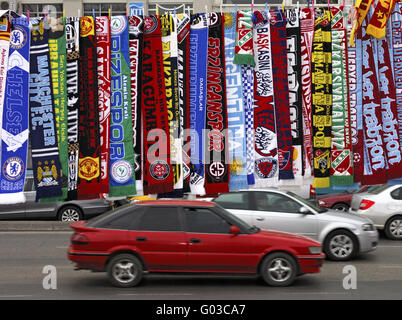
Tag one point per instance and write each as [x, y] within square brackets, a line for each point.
[235, 109]
[89, 182]
[216, 157]
[379, 19]
[266, 168]
[158, 175]
[44, 147]
[121, 161]
[73, 102]
[15, 131]
[374, 157]
[293, 35]
[321, 65]
[103, 38]
[170, 54]
[281, 93]
[247, 75]
[341, 148]
[57, 49]
[389, 112]
[183, 65]
[4, 50]
[244, 44]
[307, 34]
[198, 82]
[136, 29]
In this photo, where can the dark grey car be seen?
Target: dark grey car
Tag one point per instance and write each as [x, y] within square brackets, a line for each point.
[63, 211]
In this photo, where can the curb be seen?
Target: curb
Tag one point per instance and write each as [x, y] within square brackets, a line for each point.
[34, 226]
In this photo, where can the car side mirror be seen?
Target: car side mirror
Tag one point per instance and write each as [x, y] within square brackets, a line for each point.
[234, 230]
[304, 210]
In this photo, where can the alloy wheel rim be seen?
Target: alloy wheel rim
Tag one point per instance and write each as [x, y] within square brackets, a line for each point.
[341, 246]
[280, 270]
[396, 228]
[124, 271]
[70, 215]
[341, 208]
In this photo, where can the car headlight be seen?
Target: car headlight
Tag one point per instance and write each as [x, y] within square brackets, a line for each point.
[321, 203]
[368, 227]
[315, 250]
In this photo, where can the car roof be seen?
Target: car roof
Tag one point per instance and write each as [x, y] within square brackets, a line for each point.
[175, 202]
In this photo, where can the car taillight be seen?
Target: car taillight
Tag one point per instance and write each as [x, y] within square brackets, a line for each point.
[79, 238]
[365, 204]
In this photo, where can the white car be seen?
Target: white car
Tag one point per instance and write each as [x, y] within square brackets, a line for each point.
[382, 205]
[343, 235]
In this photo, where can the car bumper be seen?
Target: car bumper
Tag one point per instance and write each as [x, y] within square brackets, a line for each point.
[368, 241]
[310, 263]
[90, 260]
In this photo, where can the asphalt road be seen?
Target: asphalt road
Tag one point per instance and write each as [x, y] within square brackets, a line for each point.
[25, 254]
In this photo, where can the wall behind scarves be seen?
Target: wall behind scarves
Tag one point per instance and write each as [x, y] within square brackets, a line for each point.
[200, 104]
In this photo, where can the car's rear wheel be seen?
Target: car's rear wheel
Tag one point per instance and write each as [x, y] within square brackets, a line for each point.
[69, 214]
[341, 207]
[340, 245]
[393, 228]
[124, 271]
[278, 269]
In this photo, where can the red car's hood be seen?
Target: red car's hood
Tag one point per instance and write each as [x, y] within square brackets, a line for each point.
[286, 236]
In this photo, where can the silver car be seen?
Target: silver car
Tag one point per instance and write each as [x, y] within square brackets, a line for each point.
[383, 205]
[343, 235]
[63, 211]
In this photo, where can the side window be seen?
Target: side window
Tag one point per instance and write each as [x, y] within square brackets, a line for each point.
[160, 219]
[274, 202]
[397, 194]
[235, 200]
[202, 220]
[126, 220]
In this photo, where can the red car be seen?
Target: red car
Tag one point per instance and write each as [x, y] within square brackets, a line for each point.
[187, 236]
[340, 201]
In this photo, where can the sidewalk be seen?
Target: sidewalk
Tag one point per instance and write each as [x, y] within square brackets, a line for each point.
[34, 226]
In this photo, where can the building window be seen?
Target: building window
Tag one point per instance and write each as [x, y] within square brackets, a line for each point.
[163, 8]
[102, 9]
[38, 10]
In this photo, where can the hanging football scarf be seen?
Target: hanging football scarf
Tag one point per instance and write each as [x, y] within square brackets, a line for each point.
[89, 182]
[44, 147]
[397, 58]
[121, 164]
[57, 49]
[266, 166]
[158, 175]
[363, 7]
[293, 35]
[103, 39]
[341, 149]
[73, 102]
[217, 156]
[374, 157]
[321, 65]
[136, 29]
[183, 62]
[379, 19]
[15, 130]
[307, 34]
[170, 54]
[244, 45]
[235, 109]
[247, 74]
[4, 49]
[281, 94]
[389, 112]
[198, 88]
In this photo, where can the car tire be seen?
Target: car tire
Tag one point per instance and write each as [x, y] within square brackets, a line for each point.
[393, 228]
[341, 207]
[279, 269]
[124, 271]
[340, 245]
[69, 213]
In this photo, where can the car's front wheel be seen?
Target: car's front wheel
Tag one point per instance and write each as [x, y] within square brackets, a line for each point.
[279, 269]
[393, 228]
[340, 245]
[69, 214]
[124, 271]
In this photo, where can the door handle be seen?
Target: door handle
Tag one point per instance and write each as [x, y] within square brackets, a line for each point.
[260, 219]
[192, 240]
[141, 239]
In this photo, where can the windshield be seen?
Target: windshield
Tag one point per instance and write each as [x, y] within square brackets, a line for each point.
[379, 189]
[237, 221]
[308, 203]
